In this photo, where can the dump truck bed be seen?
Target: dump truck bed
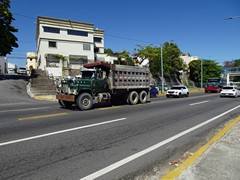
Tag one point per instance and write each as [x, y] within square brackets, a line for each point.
[124, 76]
[130, 77]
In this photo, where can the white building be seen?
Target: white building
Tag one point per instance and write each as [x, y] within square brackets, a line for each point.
[31, 61]
[3, 65]
[187, 58]
[12, 68]
[64, 45]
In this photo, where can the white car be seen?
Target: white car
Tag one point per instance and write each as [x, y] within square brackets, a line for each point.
[177, 91]
[230, 91]
[22, 70]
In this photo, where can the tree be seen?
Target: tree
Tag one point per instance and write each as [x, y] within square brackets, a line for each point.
[7, 39]
[124, 58]
[171, 58]
[211, 69]
[236, 62]
[108, 51]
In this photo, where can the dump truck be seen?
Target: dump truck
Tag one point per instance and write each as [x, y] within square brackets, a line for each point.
[104, 82]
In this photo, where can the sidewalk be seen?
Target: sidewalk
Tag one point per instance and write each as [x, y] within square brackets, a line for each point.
[218, 159]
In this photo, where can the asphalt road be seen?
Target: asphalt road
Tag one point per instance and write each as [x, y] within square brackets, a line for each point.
[40, 140]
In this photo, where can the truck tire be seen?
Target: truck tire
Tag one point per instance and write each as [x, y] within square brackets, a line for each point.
[143, 97]
[133, 98]
[84, 101]
[65, 104]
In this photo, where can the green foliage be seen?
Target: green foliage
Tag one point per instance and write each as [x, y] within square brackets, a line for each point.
[7, 39]
[108, 51]
[236, 62]
[211, 69]
[171, 58]
[59, 56]
[124, 58]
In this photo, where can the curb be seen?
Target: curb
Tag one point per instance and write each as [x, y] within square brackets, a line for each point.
[45, 98]
[175, 173]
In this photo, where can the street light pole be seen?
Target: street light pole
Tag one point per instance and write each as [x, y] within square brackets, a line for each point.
[201, 73]
[162, 90]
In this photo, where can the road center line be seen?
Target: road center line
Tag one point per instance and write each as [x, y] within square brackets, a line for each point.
[199, 103]
[60, 132]
[43, 116]
[152, 148]
[28, 109]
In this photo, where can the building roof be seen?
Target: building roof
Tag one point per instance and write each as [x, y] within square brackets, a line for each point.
[68, 24]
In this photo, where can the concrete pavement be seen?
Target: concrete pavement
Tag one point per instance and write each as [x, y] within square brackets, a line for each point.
[218, 159]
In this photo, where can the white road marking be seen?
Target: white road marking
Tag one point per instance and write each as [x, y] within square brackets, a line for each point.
[148, 150]
[199, 103]
[60, 132]
[28, 109]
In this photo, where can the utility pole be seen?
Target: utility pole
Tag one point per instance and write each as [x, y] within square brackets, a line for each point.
[162, 90]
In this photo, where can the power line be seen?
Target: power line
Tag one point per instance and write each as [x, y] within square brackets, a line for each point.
[29, 17]
[121, 37]
[16, 57]
[111, 35]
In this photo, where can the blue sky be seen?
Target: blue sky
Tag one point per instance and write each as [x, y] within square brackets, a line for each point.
[196, 26]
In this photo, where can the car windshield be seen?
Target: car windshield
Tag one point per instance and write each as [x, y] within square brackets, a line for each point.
[177, 88]
[227, 87]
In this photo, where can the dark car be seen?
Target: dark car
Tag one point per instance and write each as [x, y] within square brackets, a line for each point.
[153, 91]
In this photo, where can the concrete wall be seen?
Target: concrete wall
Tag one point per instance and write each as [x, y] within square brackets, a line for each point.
[3, 65]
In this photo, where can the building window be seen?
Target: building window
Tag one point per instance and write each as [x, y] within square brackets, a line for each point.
[51, 29]
[97, 39]
[52, 58]
[76, 59]
[87, 47]
[52, 44]
[77, 33]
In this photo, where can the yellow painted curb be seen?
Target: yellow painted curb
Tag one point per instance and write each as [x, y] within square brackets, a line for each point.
[179, 170]
[44, 98]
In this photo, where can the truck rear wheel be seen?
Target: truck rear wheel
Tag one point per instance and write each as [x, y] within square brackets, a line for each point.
[133, 98]
[84, 101]
[143, 97]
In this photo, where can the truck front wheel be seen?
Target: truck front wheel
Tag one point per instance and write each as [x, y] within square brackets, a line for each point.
[84, 101]
[133, 98]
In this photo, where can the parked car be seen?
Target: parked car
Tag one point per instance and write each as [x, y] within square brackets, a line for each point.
[153, 91]
[165, 87]
[22, 70]
[11, 71]
[177, 91]
[229, 91]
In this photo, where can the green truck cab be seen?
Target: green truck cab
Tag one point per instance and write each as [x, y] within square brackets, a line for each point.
[103, 82]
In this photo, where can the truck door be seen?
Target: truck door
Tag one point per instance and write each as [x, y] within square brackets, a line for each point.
[100, 82]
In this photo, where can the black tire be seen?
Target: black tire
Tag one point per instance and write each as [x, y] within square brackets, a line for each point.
[65, 104]
[179, 95]
[143, 97]
[133, 98]
[187, 94]
[84, 101]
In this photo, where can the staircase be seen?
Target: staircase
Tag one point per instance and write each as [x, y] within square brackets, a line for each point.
[41, 85]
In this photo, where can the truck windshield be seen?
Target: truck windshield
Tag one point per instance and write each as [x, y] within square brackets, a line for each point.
[87, 74]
